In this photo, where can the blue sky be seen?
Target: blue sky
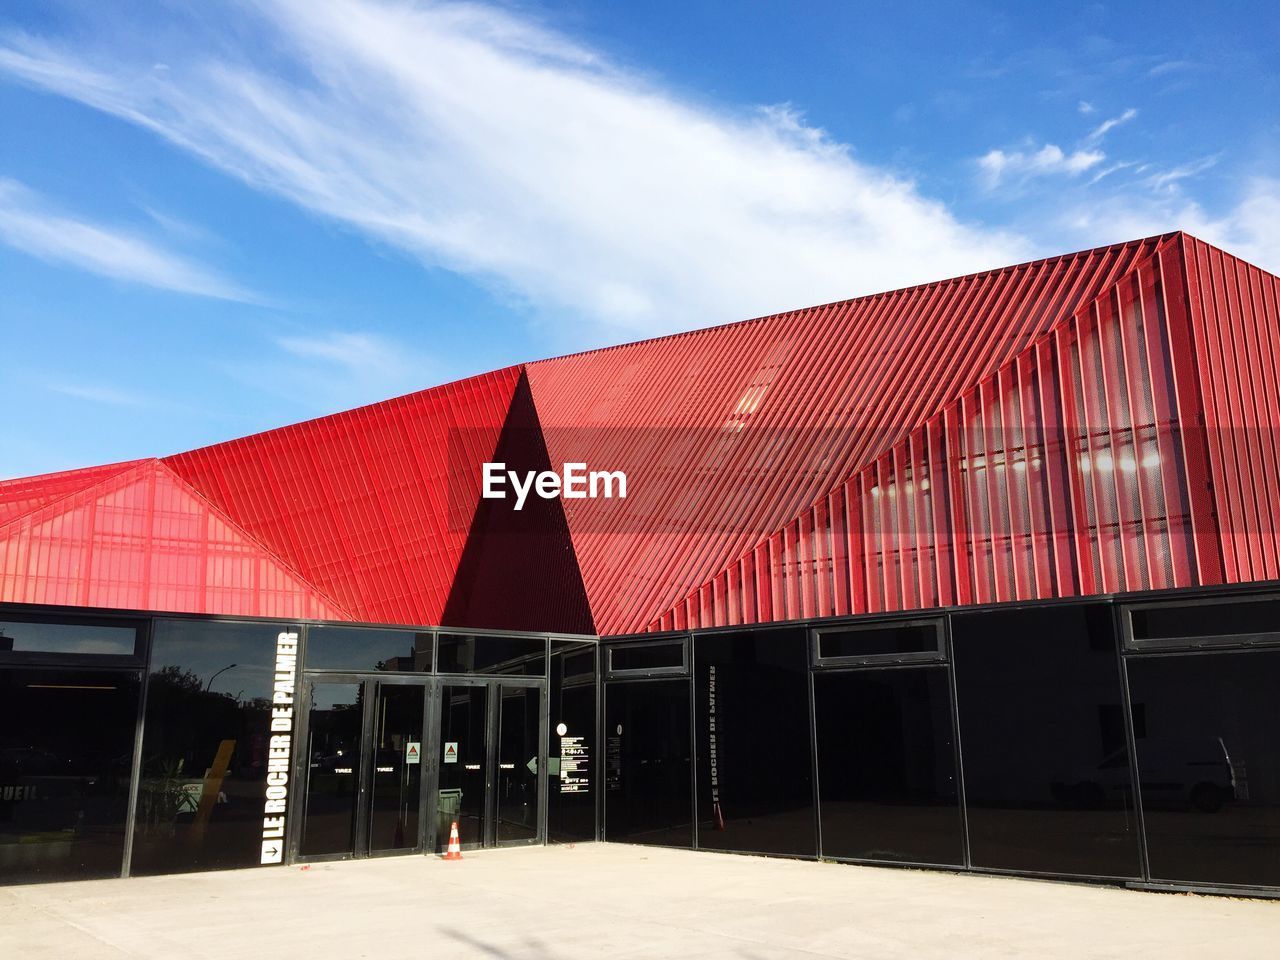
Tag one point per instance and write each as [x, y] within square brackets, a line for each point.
[218, 218]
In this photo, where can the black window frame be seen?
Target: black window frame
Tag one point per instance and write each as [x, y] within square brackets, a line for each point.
[141, 627]
[373, 627]
[940, 653]
[1224, 641]
[683, 641]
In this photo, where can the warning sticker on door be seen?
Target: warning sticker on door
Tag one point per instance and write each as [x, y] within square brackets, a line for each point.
[451, 751]
[413, 752]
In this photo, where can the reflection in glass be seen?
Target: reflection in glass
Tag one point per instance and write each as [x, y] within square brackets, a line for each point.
[395, 796]
[648, 797]
[572, 783]
[517, 801]
[755, 779]
[204, 750]
[886, 766]
[21, 636]
[358, 649]
[66, 752]
[463, 714]
[1209, 770]
[881, 640]
[333, 778]
[1231, 621]
[492, 655]
[646, 656]
[1043, 742]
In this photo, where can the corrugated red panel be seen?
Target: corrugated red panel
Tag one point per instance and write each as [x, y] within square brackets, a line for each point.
[22, 496]
[725, 433]
[372, 506]
[1062, 472]
[142, 539]
[1235, 329]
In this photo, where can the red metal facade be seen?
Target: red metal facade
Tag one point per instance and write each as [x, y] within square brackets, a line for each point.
[1097, 422]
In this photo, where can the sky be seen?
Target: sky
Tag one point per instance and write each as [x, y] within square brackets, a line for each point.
[222, 217]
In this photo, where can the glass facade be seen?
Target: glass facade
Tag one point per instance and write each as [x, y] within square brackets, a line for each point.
[360, 649]
[66, 754]
[755, 769]
[508, 656]
[207, 744]
[572, 785]
[648, 792]
[1113, 739]
[886, 766]
[1042, 730]
[1207, 730]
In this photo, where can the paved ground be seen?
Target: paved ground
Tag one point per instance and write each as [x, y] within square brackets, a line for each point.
[602, 900]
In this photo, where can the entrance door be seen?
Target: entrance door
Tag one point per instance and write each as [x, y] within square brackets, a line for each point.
[364, 783]
[490, 742]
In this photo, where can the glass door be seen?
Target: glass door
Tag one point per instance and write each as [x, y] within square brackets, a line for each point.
[363, 780]
[490, 749]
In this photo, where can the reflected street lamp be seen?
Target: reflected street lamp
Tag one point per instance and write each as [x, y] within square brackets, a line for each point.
[208, 685]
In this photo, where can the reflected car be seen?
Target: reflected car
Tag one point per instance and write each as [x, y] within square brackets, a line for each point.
[1176, 772]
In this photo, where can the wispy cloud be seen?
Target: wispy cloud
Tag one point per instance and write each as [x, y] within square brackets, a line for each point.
[1170, 66]
[28, 222]
[478, 140]
[999, 165]
[1085, 107]
[104, 395]
[1102, 129]
[1166, 179]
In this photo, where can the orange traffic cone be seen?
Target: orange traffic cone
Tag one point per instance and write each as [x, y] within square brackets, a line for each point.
[455, 846]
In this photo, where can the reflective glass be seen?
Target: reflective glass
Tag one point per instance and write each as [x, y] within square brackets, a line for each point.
[21, 636]
[360, 649]
[519, 712]
[1224, 621]
[66, 755]
[333, 777]
[658, 656]
[755, 776]
[492, 655]
[396, 792]
[886, 765]
[1206, 729]
[464, 712]
[887, 639]
[571, 767]
[648, 797]
[208, 744]
[1043, 742]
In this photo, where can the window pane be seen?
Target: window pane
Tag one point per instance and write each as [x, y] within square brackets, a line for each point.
[493, 655]
[1042, 736]
[571, 769]
[66, 754]
[20, 636]
[885, 640]
[646, 656]
[886, 766]
[755, 777]
[648, 797]
[206, 747]
[1208, 764]
[334, 742]
[1241, 620]
[359, 649]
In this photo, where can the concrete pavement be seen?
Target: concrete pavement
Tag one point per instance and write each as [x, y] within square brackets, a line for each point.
[605, 900]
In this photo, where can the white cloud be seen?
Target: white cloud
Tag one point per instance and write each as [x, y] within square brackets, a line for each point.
[1106, 126]
[1249, 229]
[482, 142]
[998, 165]
[28, 223]
[108, 396]
[1085, 107]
